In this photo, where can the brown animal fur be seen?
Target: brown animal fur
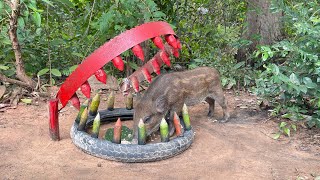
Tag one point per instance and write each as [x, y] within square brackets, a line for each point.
[168, 93]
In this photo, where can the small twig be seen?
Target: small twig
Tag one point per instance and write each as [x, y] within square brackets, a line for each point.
[90, 18]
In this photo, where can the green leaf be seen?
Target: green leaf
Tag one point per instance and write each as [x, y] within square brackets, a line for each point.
[27, 101]
[56, 72]
[265, 56]
[276, 136]
[282, 124]
[42, 72]
[48, 2]
[53, 82]
[294, 127]
[238, 65]
[72, 68]
[133, 65]
[294, 79]
[287, 131]
[3, 67]
[77, 54]
[37, 18]
[159, 14]
[308, 82]
[66, 2]
[21, 23]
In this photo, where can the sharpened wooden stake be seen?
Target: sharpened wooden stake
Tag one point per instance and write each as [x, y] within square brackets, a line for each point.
[117, 132]
[110, 101]
[186, 117]
[164, 130]
[94, 105]
[142, 137]
[82, 107]
[129, 101]
[83, 120]
[96, 126]
[86, 89]
[177, 125]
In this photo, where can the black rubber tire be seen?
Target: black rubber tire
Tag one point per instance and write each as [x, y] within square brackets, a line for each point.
[130, 152]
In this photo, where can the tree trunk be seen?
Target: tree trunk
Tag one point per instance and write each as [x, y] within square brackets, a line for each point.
[20, 72]
[263, 28]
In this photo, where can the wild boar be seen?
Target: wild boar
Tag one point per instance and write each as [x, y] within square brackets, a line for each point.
[168, 93]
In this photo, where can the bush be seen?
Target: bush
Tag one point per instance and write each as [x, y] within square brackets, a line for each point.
[291, 79]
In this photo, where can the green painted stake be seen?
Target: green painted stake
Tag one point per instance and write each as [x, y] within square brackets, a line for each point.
[164, 130]
[94, 105]
[110, 101]
[129, 101]
[82, 107]
[96, 126]
[186, 117]
[83, 120]
[141, 133]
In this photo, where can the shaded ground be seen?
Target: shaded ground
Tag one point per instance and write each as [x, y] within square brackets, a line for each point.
[240, 149]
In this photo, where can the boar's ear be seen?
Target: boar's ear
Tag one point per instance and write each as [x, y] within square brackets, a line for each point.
[161, 103]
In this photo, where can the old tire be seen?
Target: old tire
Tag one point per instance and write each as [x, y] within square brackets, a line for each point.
[130, 152]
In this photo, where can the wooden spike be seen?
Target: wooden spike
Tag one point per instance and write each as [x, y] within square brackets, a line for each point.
[83, 120]
[117, 132]
[171, 40]
[138, 51]
[75, 101]
[129, 101]
[118, 63]
[176, 53]
[96, 126]
[146, 74]
[94, 105]
[158, 42]
[82, 107]
[86, 89]
[186, 117]
[177, 125]
[135, 83]
[156, 66]
[110, 101]
[164, 131]
[165, 58]
[142, 137]
[179, 44]
[101, 76]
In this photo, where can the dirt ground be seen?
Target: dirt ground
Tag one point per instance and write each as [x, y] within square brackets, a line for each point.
[243, 148]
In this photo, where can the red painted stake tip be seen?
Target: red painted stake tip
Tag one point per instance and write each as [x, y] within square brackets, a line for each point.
[117, 132]
[75, 101]
[177, 125]
[135, 83]
[118, 63]
[156, 66]
[179, 44]
[146, 74]
[165, 58]
[54, 120]
[86, 89]
[101, 76]
[176, 53]
[171, 40]
[158, 42]
[138, 51]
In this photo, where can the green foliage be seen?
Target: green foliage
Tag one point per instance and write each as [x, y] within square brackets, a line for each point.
[210, 31]
[126, 134]
[285, 129]
[69, 31]
[291, 79]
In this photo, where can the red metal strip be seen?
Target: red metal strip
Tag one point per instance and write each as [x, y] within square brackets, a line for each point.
[107, 52]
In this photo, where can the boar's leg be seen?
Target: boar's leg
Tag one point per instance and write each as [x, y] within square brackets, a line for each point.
[210, 101]
[222, 102]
